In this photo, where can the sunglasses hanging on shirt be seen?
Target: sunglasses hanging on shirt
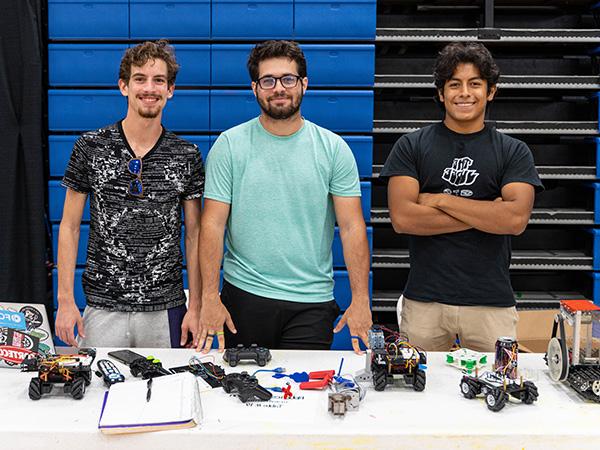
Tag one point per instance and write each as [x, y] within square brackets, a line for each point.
[136, 188]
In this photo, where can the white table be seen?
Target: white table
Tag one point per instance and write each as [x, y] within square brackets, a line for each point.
[439, 417]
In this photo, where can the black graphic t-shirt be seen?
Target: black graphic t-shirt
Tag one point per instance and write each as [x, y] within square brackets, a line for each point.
[134, 260]
[468, 267]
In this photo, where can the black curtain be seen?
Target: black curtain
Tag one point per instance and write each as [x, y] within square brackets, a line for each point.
[23, 273]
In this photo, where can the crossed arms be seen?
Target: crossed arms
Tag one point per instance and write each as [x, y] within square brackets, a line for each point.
[425, 214]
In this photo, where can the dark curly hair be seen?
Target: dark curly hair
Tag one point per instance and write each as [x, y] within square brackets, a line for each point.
[276, 49]
[142, 53]
[456, 53]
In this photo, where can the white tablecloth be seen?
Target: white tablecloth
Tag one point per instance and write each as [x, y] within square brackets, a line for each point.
[439, 417]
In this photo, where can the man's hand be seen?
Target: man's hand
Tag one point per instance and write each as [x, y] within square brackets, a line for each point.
[213, 315]
[67, 317]
[190, 324]
[430, 200]
[359, 321]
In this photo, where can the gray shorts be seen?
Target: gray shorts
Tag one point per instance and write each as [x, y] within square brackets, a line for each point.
[132, 329]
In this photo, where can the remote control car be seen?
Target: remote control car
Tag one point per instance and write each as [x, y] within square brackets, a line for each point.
[75, 371]
[497, 388]
[467, 360]
[393, 358]
[569, 363]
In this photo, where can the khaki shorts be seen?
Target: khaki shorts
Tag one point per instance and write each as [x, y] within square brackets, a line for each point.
[433, 326]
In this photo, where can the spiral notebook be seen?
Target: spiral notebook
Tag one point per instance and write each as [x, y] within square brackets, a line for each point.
[174, 403]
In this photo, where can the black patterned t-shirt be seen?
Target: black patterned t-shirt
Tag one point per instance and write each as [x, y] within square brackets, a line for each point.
[134, 260]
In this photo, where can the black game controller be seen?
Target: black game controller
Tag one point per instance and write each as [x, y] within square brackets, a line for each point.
[246, 387]
[147, 368]
[261, 355]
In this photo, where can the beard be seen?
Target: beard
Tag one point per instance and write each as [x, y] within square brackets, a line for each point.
[149, 113]
[280, 113]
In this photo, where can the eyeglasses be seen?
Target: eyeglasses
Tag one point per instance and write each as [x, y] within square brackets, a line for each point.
[287, 81]
[136, 188]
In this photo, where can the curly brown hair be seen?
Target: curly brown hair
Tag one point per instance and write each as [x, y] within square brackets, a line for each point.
[457, 53]
[276, 49]
[142, 53]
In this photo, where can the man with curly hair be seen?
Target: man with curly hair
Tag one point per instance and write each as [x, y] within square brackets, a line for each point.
[137, 176]
[460, 189]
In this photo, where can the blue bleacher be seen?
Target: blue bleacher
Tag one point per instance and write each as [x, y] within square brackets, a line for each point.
[212, 39]
[85, 19]
[263, 19]
[327, 65]
[216, 20]
[323, 19]
[178, 19]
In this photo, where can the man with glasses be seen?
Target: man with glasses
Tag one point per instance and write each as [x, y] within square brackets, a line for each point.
[137, 176]
[279, 182]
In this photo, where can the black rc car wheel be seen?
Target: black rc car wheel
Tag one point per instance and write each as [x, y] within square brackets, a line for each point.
[35, 389]
[530, 393]
[379, 378]
[78, 388]
[419, 380]
[468, 389]
[496, 399]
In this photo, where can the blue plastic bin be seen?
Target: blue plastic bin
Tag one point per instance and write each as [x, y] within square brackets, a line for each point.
[347, 19]
[84, 64]
[194, 62]
[170, 19]
[59, 152]
[88, 19]
[254, 20]
[362, 149]
[334, 65]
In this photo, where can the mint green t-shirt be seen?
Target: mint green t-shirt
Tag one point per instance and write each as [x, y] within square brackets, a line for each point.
[281, 221]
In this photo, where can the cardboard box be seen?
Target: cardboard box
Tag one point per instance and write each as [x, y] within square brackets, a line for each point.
[534, 329]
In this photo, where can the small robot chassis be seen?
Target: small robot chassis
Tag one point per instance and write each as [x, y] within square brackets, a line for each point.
[75, 371]
[393, 358]
[571, 364]
[467, 360]
[497, 388]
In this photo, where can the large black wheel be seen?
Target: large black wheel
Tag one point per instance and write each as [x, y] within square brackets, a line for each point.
[379, 378]
[87, 377]
[530, 393]
[35, 389]
[496, 399]
[78, 388]
[468, 388]
[419, 380]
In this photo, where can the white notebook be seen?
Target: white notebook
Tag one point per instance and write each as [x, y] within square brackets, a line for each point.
[174, 403]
